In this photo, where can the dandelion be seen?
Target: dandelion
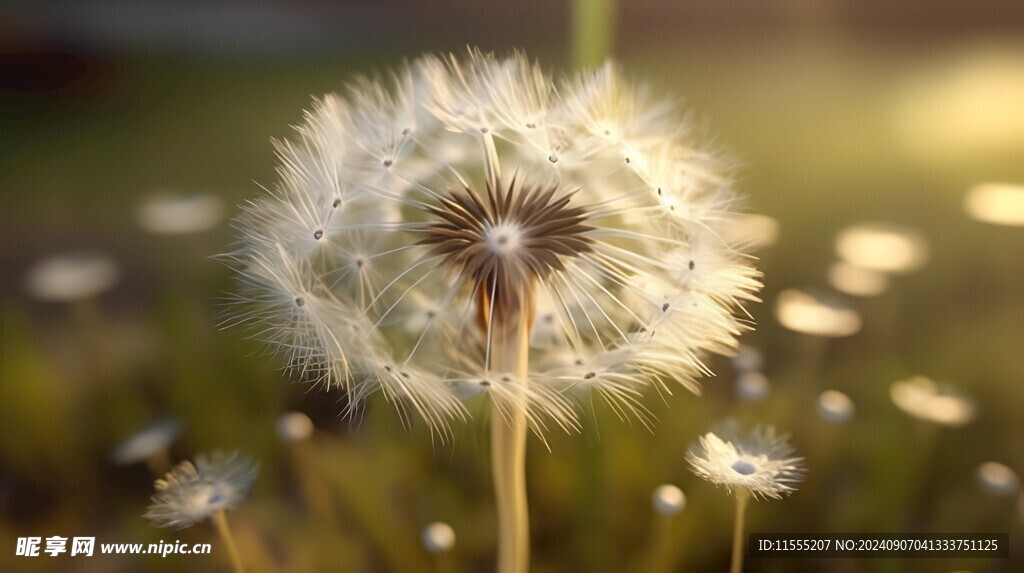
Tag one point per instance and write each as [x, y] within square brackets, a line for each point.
[469, 227]
[998, 479]
[150, 444]
[191, 493]
[924, 399]
[180, 214]
[996, 203]
[760, 464]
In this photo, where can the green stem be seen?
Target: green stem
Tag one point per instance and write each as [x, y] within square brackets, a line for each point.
[220, 522]
[593, 23]
[742, 497]
[509, 354]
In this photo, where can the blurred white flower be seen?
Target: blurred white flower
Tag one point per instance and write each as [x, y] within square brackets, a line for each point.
[151, 440]
[855, 281]
[294, 427]
[923, 399]
[761, 462]
[998, 479]
[996, 203]
[752, 386]
[180, 214]
[72, 276]
[191, 492]
[668, 499]
[816, 314]
[748, 358]
[413, 215]
[882, 247]
[835, 407]
[438, 537]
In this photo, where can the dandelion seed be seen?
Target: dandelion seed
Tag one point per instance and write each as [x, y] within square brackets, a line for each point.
[72, 276]
[835, 407]
[882, 247]
[924, 399]
[816, 314]
[998, 479]
[180, 214]
[191, 493]
[502, 221]
[438, 537]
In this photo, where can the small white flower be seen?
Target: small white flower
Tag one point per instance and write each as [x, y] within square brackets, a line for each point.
[72, 276]
[438, 537]
[835, 407]
[761, 462]
[190, 493]
[148, 441]
[998, 479]
[752, 386]
[180, 214]
[926, 400]
[294, 427]
[668, 499]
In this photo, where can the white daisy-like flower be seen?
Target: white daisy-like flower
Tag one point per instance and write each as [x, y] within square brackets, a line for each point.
[423, 219]
[760, 463]
[668, 499]
[835, 407]
[190, 493]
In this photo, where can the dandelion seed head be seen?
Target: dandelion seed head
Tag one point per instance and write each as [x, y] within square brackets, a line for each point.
[760, 462]
[190, 493]
[418, 210]
[668, 499]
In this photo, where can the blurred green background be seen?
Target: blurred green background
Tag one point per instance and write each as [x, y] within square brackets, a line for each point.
[838, 112]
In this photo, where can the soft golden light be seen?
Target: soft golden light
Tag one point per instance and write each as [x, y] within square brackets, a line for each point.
[817, 315]
[882, 247]
[922, 398]
[996, 203]
[855, 281]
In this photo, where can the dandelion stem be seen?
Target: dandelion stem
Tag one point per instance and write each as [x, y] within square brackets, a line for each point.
[510, 351]
[593, 24]
[661, 556]
[220, 522]
[742, 497]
